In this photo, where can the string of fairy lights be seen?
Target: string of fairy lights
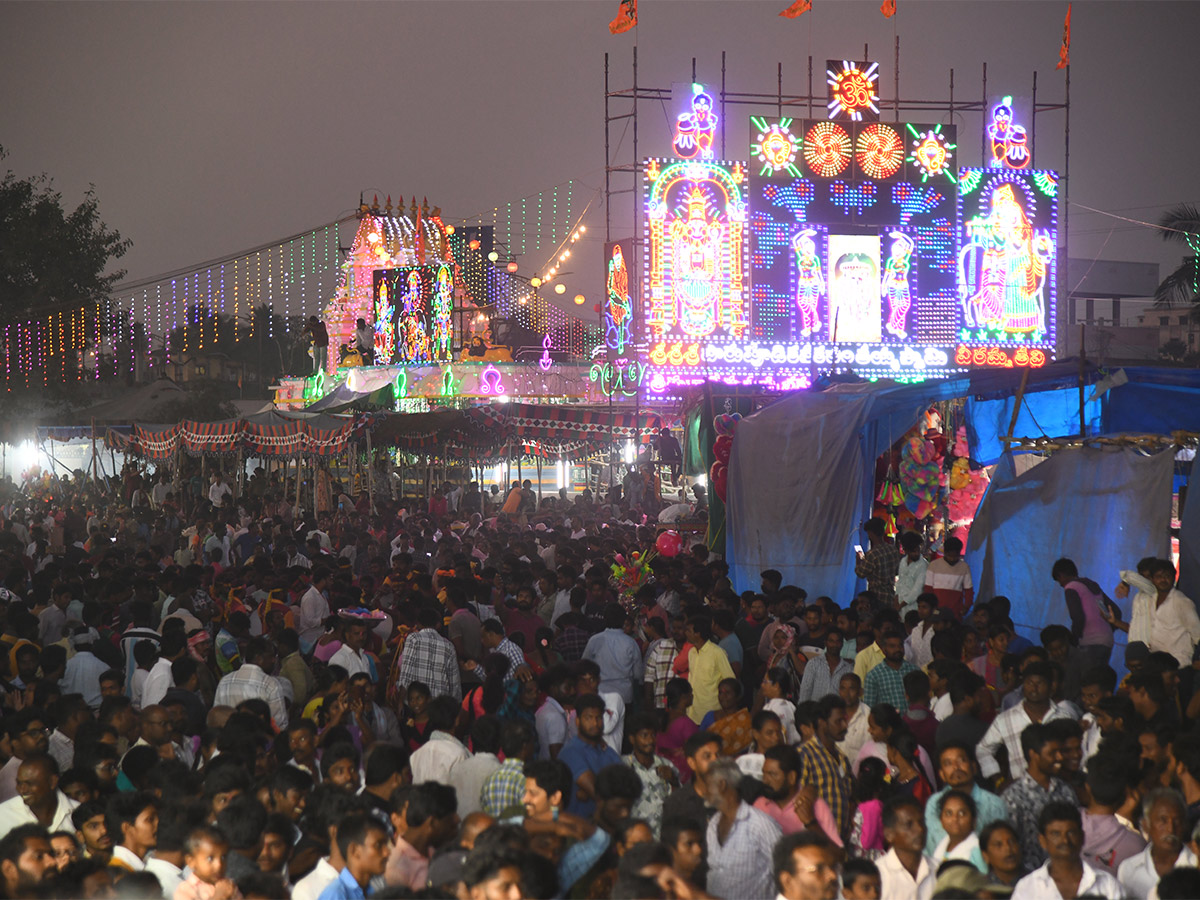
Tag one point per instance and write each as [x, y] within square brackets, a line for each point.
[171, 317]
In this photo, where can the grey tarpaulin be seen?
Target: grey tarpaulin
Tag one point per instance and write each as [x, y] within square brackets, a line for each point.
[799, 483]
[1105, 508]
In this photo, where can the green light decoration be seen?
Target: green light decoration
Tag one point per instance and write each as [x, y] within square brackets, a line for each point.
[449, 388]
[623, 377]
[1046, 183]
[314, 386]
[968, 181]
[400, 388]
[776, 147]
[1193, 242]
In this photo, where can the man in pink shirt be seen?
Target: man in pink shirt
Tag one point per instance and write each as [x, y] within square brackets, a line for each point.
[431, 816]
[792, 808]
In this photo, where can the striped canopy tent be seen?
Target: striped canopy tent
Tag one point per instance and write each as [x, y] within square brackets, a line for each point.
[269, 434]
[574, 430]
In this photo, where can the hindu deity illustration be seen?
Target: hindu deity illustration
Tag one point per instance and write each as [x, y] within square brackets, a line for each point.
[695, 130]
[619, 308]
[855, 305]
[1002, 267]
[385, 345]
[696, 250]
[412, 340]
[894, 286]
[1010, 149]
[440, 318]
[810, 283]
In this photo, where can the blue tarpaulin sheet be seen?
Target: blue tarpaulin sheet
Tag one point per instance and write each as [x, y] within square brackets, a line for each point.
[1104, 508]
[1052, 413]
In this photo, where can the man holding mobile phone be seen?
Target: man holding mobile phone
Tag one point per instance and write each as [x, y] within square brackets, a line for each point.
[880, 564]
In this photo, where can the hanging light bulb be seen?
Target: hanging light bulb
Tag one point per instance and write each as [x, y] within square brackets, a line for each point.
[580, 299]
[512, 267]
[560, 289]
[493, 256]
[449, 229]
[535, 281]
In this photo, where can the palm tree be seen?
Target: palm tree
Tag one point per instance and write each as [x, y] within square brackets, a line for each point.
[1181, 286]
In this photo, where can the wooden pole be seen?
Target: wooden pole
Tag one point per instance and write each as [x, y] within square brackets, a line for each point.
[94, 477]
[370, 475]
[1012, 423]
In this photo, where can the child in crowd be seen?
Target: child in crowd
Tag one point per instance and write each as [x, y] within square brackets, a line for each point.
[205, 853]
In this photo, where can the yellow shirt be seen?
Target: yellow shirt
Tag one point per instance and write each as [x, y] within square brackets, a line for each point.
[707, 668]
[866, 660]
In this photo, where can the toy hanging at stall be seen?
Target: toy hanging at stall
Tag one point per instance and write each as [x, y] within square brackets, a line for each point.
[920, 475]
[724, 425]
[967, 487]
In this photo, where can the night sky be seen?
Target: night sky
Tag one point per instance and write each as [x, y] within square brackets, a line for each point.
[208, 128]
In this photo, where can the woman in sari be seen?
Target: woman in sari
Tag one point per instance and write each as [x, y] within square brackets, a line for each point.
[679, 728]
[732, 721]
[787, 656]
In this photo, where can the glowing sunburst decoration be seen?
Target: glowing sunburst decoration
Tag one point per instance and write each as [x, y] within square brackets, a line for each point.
[931, 153]
[879, 151]
[827, 149]
[776, 147]
[853, 90]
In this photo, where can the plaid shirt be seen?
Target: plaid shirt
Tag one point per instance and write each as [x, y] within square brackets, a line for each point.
[886, 685]
[430, 658]
[251, 682]
[879, 567]
[1006, 729]
[571, 643]
[829, 772]
[1026, 799]
[503, 788]
[659, 657]
[741, 867]
[514, 654]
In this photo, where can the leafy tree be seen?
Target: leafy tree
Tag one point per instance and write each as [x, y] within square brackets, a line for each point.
[1174, 350]
[1183, 224]
[51, 258]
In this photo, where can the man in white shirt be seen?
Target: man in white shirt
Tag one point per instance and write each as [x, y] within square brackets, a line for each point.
[82, 674]
[434, 760]
[253, 679]
[910, 577]
[28, 736]
[52, 621]
[160, 680]
[314, 610]
[350, 655]
[905, 872]
[467, 777]
[1060, 829]
[219, 492]
[857, 716]
[1164, 819]
[1036, 706]
[70, 712]
[39, 799]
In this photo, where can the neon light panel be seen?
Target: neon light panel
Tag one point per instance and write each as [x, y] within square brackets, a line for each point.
[852, 89]
[695, 130]
[879, 151]
[827, 149]
[1007, 139]
[895, 287]
[1047, 183]
[931, 154]
[1007, 262]
[914, 200]
[776, 147]
[440, 314]
[810, 283]
[385, 311]
[618, 309]
[695, 249]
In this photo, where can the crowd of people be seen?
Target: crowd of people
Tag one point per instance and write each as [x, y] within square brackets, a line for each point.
[208, 695]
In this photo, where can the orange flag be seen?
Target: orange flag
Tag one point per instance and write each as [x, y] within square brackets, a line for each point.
[1064, 52]
[626, 17]
[888, 9]
[799, 8]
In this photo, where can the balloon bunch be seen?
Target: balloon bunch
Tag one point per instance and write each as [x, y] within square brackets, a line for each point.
[920, 475]
[718, 476]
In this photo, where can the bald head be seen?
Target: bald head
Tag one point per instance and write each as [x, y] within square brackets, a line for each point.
[37, 781]
[218, 716]
[157, 727]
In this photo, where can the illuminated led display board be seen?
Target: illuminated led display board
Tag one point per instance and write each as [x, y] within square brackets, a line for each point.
[616, 313]
[845, 244]
[695, 250]
[1007, 267]
[413, 314]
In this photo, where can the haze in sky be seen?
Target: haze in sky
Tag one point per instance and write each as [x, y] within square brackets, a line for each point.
[209, 128]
